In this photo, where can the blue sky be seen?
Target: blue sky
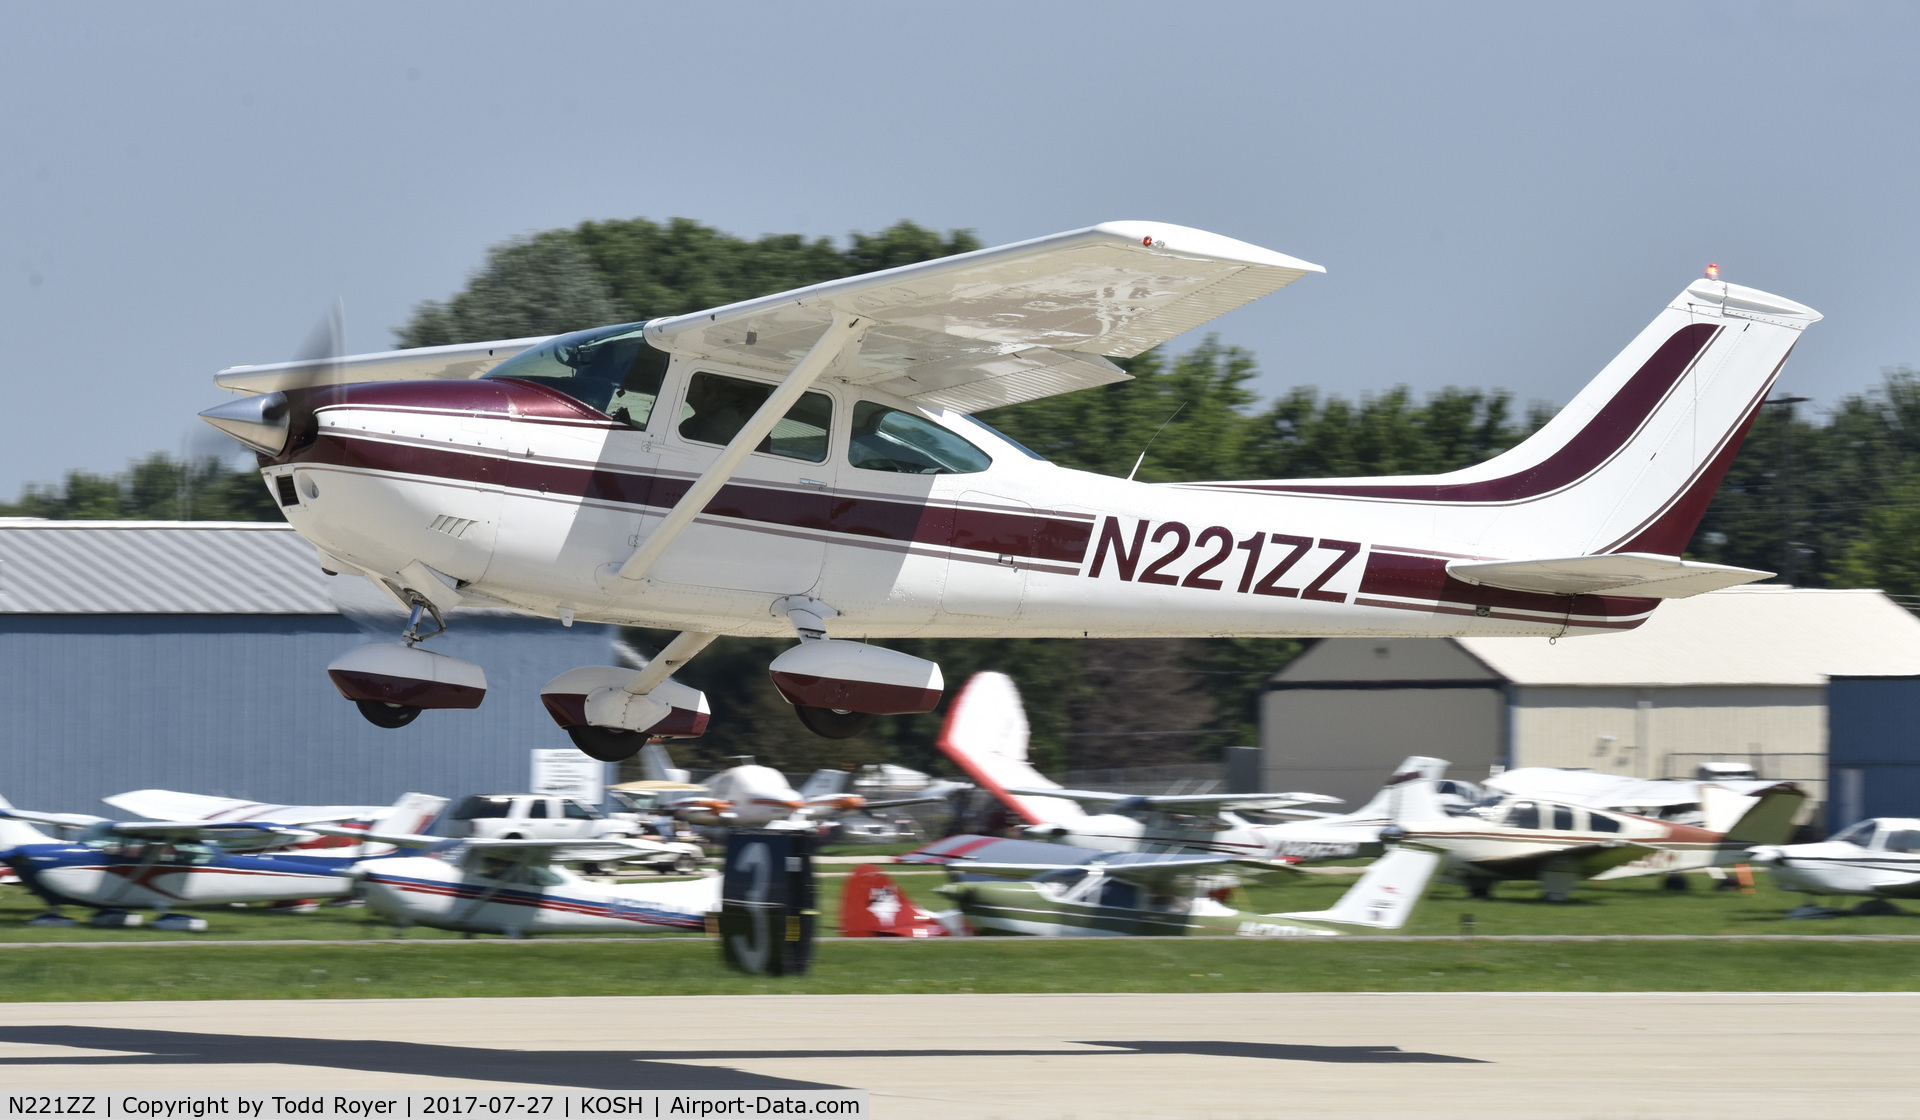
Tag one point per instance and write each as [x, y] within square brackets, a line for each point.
[1502, 194]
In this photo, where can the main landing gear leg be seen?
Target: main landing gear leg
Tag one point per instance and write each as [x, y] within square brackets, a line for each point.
[381, 713]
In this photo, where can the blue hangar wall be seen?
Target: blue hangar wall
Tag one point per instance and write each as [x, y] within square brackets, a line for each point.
[240, 706]
[1873, 749]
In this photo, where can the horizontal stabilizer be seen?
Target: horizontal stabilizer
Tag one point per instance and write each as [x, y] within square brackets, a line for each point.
[1384, 897]
[1639, 574]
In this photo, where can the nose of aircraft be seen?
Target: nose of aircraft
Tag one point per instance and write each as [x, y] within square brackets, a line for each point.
[261, 422]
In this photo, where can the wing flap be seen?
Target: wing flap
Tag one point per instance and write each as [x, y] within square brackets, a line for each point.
[1639, 574]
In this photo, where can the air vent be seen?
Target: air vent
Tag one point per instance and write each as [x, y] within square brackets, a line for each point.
[455, 527]
[283, 486]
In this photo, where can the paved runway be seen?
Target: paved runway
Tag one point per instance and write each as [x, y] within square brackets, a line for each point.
[1043, 1057]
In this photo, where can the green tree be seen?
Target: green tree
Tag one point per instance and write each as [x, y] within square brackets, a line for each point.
[539, 285]
[156, 488]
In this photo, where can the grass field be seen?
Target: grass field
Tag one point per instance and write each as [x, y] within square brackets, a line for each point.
[430, 964]
[692, 967]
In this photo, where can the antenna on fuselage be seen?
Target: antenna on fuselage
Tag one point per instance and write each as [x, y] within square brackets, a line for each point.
[1150, 439]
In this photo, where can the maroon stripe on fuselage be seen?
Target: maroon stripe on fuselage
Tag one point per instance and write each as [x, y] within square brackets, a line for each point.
[1602, 438]
[1037, 535]
[1425, 578]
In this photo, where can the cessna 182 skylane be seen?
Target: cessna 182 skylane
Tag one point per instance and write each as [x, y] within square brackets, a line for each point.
[806, 464]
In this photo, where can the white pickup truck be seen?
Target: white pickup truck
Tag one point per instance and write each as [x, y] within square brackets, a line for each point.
[537, 816]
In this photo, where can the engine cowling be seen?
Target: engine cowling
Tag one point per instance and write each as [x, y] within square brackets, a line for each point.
[395, 673]
[596, 696]
[856, 677]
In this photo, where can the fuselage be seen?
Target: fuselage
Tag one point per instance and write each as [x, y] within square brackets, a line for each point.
[503, 491]
[1878, 857]
[163, 877]
[481, 894]
[1093, 905]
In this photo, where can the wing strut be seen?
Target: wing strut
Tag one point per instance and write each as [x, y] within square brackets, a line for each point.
[678, 653]
[842, 337]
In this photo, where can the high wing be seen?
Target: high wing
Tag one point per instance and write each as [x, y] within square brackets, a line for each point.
[1003, 325]
[172, 805]
[465, 360]
[247, 833]
[1184, 802]
[992, 856]
[549, 851]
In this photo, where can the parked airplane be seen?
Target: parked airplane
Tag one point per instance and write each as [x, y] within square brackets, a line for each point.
[412, 813]
[806, 465]
[1878, 857]
[518, 887]
[119, 866]
[986, 735]
[1558, 844]
[1669, 799]
[1086, 892]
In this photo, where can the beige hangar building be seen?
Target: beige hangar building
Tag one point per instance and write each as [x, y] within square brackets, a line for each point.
[1735, 676]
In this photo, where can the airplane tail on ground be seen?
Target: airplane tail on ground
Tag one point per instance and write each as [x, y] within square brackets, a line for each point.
[986, 736]
[873, 905]
[14, 834]
[1628, 467]
[1381, 805]
[411, 815]
[657, 765]
[1768, 821]
[1385, 896]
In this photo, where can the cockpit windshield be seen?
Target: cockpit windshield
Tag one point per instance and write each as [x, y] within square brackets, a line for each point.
[612, 369]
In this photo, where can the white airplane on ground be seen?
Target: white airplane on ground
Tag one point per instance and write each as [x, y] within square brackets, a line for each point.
[119, 866]
[1878, 857]
[412, 813]
[986, 735]
[1558, 844]
[806, 465]
[1084, 892]
[1679, 800]
[517, 887]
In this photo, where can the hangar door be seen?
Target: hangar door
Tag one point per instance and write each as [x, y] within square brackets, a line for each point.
[1873, 749]
[1345, 738]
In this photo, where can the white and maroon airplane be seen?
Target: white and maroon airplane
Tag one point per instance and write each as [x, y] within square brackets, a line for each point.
[806, 464]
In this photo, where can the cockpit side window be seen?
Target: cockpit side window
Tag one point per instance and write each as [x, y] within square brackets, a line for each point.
[1861, 834]
[612, 369]
[1562, 818]
[889, 439]
[1600, 822]
[718, 407]
[1523, 814]
[1904, 840]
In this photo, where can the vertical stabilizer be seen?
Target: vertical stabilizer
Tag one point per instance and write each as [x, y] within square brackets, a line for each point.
[1380, 807]
[14, 834]
[986, 736]
[1385, 896]
[410, 816]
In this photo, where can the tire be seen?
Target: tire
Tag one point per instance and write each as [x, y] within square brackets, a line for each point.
[607, 744]
[1480, 888]
[829, 723]
[386, 715]
[684, 864]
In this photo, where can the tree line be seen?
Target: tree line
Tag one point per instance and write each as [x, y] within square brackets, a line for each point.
[1832, 501]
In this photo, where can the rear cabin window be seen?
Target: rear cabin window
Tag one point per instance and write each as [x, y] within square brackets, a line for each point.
[718, 407]
[1524, 814]
[479, 808]
[1562, 818]
[612, 369]
[888, 439]
[1600, 822]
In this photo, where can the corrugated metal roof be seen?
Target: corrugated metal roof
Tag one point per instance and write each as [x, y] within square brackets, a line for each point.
[1741, 636]
[158, 567]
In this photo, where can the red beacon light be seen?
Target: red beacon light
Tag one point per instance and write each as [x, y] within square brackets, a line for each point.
[1713, 272]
